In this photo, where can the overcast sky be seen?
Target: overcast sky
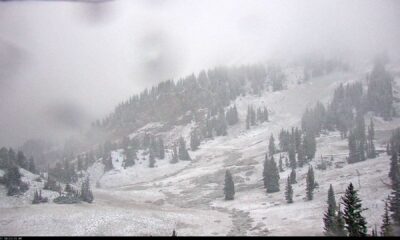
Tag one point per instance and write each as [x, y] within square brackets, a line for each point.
[64, 64]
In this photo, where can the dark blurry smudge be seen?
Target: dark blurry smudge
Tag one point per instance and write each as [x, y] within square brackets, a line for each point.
[11, 58]
[160, 57]
[66, 115]
[96, 12]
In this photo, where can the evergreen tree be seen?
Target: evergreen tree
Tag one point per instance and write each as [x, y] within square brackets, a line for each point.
[280, 164]
[330, 214]
[265, 171]
[229, 188]
[130, 157]
[248, 118]
[340, 224]
[86, 192]
[108, 165]
[353, 151]
[266, 116]
[370, 143]
[152, 160]
[310, 183]
[310, 146]
[174, 158]
[161, 148]
[271, 146]
[182, 151]
[194, 141]
[289, 191]
[395, 198]
[32, 167]
[386, 228]
[394, 172]
[22, 161]
[221, 128]
[35, 198]
[272, 176]
[292, 176]
[292, 157]
[356, 224]
[300, 155]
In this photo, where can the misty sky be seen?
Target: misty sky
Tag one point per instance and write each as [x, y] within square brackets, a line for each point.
[64, 64]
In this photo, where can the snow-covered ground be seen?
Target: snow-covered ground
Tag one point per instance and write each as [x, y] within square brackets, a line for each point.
[188, 196]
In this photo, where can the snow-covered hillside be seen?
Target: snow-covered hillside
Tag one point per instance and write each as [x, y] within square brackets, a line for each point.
[188, 196]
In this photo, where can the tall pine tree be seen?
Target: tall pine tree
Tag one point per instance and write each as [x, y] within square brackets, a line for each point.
[229, 189]
[356, 224]
[310, 183]
[289, 191]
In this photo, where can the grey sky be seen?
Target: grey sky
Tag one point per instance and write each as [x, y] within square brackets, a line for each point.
[64, 64]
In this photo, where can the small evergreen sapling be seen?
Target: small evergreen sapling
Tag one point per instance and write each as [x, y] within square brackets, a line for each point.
[229, 189]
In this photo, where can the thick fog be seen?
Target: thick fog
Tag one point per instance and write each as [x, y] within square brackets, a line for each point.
[64, 64]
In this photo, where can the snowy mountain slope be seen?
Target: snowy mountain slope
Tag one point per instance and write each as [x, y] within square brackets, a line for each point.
[188, 196]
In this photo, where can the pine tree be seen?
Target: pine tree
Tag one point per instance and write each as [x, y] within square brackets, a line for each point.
[265, 171]
[229, 188]
[356, 224]
[271, 146]
[292, 176]
[108, 165]
[174, 158]
[86, 192]
[182, 151]
[194, 141]
[161, 148]
[32, 167]
[310, 146]
[280, 164]
[330, 214]
[266, 117]
[386, 228]
[310, 183]
[152, 160]
[292, 157]
[289, 191]
[22, 161]
[272, 176]
[371, 135]
[130, 156]
[300, 155]
[394, 172]
[340, 224]
[395, 198]
[35, 198]
[353, 151]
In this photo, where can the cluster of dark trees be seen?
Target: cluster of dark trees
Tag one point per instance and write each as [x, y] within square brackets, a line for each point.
[256, 116]
[212, 89]
[277, 78]
[180, 152]
[10, 162]
[38, 198]
[361, 145]
[350, 222]
[393, 223]
[346, 111]
[316, 67]
[300, 146]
